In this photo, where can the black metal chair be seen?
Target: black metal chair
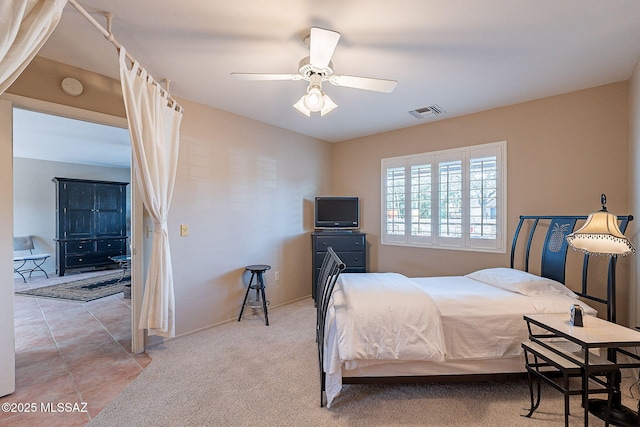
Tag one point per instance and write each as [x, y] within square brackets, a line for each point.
[27, 263]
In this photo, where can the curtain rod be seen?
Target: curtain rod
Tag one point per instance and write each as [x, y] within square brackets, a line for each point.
[109, 36]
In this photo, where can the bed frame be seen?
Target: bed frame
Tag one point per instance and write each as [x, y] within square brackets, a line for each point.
[553, 265]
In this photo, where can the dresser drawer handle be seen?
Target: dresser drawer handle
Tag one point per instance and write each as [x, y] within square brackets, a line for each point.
[79, 259]
[80, 246]
[356, 259]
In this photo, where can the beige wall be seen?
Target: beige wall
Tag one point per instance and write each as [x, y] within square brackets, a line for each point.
[42, 78]
[563, 152]
[244, 188]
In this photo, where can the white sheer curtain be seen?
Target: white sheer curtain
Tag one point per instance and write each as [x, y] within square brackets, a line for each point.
[154, 125]
[25, 25]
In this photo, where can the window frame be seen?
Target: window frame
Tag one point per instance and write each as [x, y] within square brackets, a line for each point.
[433, 239]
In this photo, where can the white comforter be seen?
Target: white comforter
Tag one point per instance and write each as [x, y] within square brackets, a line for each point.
[372, 328]
[363, 325]
[386, 317]
[481, 321]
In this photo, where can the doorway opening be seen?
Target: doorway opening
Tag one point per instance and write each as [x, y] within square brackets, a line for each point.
[88, 343]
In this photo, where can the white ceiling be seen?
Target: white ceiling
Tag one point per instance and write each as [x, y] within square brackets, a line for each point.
[60, 139]
[462, 55]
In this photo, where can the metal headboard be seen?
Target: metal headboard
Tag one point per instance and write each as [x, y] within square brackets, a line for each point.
[331, 268]
[554, 253]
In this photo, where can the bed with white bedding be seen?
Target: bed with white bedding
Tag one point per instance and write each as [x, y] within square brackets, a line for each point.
[388, 327]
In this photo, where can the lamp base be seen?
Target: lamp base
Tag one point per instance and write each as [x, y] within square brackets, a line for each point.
[618, 415]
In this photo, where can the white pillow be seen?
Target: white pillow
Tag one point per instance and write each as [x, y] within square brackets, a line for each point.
[520, 281]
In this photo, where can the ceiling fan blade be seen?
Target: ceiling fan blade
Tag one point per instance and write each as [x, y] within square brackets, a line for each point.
[366, 83]
[322, 43]
[262, 76]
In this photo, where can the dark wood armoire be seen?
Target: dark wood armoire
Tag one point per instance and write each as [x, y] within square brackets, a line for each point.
[91, 222]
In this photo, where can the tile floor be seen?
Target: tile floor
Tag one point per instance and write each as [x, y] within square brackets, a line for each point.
[69, 353]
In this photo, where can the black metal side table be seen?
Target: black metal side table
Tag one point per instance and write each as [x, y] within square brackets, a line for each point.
[124, 261]
[261, 300]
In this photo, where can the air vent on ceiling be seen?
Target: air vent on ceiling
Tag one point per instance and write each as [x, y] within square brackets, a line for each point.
[424, 112]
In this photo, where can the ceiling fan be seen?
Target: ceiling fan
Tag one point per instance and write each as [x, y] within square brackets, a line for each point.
[318, 68]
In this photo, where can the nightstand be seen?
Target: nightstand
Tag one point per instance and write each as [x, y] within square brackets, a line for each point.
[351, 248]
[566, 348]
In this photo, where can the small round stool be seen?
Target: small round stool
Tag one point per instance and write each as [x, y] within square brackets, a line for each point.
[256, 271]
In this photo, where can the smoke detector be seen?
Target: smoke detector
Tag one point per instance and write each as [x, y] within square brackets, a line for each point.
[72, 86]
[426, 112]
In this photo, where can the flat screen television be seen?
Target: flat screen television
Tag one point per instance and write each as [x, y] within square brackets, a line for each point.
[337, 213]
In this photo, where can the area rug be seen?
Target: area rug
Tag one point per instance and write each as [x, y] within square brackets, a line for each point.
[82, 290]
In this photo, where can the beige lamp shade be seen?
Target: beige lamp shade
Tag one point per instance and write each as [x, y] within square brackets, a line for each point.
[600, 235]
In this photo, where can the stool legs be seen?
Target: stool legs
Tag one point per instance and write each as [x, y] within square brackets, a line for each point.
[246, 295]
[259, 287]
[264, 298]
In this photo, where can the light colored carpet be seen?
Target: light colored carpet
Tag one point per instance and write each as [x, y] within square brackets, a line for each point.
[248, 374]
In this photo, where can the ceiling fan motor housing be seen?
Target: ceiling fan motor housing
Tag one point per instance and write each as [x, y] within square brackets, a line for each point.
[306, 70]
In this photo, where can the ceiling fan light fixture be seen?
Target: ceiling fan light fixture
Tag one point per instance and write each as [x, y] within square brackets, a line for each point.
[314, 99]
[329, 105]
[300, 106]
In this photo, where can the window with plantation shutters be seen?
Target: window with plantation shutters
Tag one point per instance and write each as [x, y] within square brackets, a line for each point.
[395, 179]
[452, 199]
[420, 202]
